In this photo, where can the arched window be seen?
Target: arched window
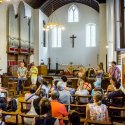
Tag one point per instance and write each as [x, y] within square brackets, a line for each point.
[56, 37]
[91, 35]
[44, 35]
[73, 14]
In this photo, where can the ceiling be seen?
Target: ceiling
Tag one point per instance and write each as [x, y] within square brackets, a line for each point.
[46, 5]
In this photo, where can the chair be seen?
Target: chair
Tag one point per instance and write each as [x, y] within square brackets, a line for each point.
[12, 87]
[81, 109]
[10, 122]
[119, 117]
[25, 106]
[11, 93]
[98, 123]
[49, 79]
[26, 116]
[80, 98]
[66, 120]
[117, 101]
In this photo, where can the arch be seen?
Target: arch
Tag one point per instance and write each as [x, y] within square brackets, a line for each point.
[23, 26]
[47, 6]
[21, 9]
[11, 26]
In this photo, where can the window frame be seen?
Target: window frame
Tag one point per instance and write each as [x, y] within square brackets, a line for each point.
[58, 41]
[70, 10]
[91, 44]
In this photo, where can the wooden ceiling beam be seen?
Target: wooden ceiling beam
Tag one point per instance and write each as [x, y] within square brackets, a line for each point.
[47, 6]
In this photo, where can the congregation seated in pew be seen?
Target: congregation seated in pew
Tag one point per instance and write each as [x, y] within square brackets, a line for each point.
[62, 89]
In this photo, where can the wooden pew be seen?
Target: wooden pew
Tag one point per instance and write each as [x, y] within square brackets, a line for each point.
[98, 123]
[23, 116]
[10, 122]
[24, 105]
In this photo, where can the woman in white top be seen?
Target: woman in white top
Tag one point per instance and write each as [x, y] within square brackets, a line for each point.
[82, 92]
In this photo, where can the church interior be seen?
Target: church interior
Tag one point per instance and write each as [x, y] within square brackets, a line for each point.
[62, 62]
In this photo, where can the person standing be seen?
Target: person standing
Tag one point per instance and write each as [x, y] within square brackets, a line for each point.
[114, 71]
[33, 73]
[22, 75]
[99, 75]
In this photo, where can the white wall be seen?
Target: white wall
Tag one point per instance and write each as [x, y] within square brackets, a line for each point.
[79, 54]
[43, 50]
[41, 53]
[3, 30]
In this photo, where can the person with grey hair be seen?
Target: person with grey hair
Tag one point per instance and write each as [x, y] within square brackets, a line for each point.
[64, 94]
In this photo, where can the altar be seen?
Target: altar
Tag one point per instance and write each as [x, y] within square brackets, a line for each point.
[73, 66]
[70, 68]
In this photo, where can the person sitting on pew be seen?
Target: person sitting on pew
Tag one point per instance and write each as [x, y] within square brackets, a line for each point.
[7, 104]
[97, 111]
[58, 109]
[54, 87]
[64, 81]
[64, 84]
[82, 83]
[82, 92]
[41, 95]
[64, 94]
[40, 79]
[45, 86]
[116, 93]
[111, 87]
[31, 96]
[96, 88]
[74, 117]
[69, 86]
[45, 117]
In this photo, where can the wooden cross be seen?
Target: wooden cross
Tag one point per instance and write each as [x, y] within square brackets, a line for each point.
[73, 38]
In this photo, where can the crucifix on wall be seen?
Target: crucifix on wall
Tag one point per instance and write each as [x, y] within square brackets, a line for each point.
[73, 39]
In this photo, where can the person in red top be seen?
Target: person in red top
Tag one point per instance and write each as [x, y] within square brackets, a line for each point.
[58, 109]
